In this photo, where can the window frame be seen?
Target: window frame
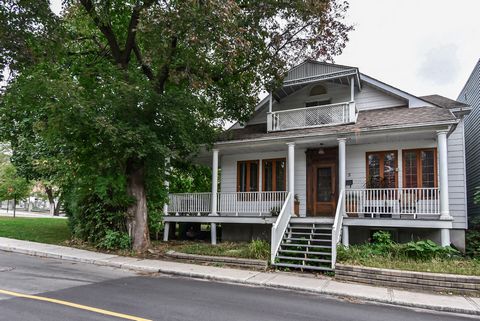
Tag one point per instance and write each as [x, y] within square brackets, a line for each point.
[248, 175]
[418, 152]
[274, 174]
[381, 165]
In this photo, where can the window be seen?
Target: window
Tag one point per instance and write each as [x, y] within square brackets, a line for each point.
[274, 178]
[420, 168]
[382, 169]
[247, 176]
[318, 90]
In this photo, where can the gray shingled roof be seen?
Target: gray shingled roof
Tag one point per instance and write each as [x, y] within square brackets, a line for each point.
[443, 102]
[368, 119]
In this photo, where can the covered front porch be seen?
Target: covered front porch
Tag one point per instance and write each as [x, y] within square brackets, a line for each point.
[321, 177]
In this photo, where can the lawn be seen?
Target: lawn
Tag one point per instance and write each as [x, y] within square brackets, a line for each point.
[43, 230]
[450, 266]
[253, 250]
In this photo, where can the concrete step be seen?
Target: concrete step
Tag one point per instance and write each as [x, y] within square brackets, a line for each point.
[303, 267]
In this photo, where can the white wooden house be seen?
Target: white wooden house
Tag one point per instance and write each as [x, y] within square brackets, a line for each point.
[334, 155]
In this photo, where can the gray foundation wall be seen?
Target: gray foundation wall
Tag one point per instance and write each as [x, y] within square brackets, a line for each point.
[245, 232]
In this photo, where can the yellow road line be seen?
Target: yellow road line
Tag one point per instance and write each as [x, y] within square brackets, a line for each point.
[74, 305]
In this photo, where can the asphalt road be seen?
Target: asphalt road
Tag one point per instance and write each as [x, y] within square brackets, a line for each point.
[159, 297]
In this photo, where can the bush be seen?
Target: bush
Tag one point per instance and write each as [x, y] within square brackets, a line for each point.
[114, 240]
[384, 247]
[259, 249]
[472, 238]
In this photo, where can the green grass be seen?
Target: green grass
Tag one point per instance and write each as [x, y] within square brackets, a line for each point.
[452, 266]
[253, 250]
[43, 230]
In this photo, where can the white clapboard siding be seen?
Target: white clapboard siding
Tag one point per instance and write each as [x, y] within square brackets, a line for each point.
[470, 94]
[457, 177]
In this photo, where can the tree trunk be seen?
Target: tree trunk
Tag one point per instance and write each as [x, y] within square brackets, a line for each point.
[137, 213]
[51, 200]
[14, 206]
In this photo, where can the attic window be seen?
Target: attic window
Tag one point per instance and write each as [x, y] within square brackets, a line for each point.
[318, 90]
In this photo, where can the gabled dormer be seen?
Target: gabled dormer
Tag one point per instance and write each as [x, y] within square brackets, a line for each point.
[318, 94]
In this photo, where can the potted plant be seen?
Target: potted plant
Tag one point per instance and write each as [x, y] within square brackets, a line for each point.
[296, 205]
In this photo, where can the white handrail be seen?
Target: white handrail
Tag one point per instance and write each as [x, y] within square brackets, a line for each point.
[280, 226]
[337, 226]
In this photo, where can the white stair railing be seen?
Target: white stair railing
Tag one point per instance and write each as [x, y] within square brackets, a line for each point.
[280, 226]
[337, 226]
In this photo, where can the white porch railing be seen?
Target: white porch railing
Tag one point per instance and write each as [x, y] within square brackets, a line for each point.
[392, 202]
[237, 204]
[323, 115]
[337, 227]
[280, 226]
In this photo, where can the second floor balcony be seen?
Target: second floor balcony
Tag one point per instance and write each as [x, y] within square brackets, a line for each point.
[314, 116]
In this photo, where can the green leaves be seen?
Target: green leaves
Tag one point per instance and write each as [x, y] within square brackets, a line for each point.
[12, 186]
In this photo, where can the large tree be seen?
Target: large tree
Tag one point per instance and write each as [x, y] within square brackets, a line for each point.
[116, 87]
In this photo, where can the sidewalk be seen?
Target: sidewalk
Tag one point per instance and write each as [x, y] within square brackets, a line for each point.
[23, 213]
[327, 286]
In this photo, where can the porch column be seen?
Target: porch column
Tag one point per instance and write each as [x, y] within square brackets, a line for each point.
[291, 171]
[345, 236]
[443, 173]
[166, 183]
[445, 236]
[342, 168]
[352, 89]
[213, 226]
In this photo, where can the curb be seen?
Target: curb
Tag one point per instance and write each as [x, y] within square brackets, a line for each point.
[129, 264]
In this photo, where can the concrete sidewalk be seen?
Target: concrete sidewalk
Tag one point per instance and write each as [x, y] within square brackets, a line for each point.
[308, 283]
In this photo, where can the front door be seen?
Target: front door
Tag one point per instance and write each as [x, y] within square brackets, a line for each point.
[322, 181]
[324, 190]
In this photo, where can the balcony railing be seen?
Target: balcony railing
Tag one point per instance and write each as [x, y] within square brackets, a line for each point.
[392, 202]
[316, 116]
[228, 204]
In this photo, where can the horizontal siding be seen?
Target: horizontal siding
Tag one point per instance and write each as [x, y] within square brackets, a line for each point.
[471, 95]
[372, 98]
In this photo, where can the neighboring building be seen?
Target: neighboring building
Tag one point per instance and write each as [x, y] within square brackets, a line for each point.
[470, 94]
[335, 154]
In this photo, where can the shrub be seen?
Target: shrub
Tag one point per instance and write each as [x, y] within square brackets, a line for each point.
[472, 237]
[259, 249]
[115, 240]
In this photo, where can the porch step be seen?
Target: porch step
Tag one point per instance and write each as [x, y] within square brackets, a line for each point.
[309, 228]
[293, 258]
[303, 267]
[314, 234]
[306, 245]
[306, 240]
[305, 252]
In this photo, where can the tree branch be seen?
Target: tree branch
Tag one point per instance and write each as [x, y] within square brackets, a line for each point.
[165, 70]
[132, 29]
[106, 30]
[145, 68]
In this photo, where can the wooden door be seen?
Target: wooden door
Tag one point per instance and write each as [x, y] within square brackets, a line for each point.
[324, 189]
[322, 181]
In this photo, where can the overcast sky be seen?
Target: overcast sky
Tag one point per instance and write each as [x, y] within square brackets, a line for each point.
[420, 46]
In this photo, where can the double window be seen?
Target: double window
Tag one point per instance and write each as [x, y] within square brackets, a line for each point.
[273, 175]
[420, 168]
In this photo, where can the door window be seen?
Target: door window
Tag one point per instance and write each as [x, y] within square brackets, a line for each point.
[324, 184]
